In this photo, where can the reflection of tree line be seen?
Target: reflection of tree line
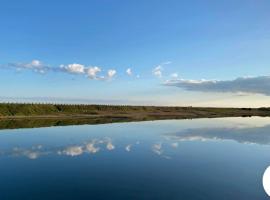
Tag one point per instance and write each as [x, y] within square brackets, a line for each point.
[49, 122]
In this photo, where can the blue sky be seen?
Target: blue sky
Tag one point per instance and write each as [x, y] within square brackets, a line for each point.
[193, 52]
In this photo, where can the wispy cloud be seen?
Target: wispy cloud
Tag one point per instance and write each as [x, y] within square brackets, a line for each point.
[259, 85]
[129, 72]
[158, 70]
[34, 65]
[174, 75]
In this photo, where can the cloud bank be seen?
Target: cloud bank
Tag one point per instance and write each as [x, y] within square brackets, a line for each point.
[259, 85]
[91, 72]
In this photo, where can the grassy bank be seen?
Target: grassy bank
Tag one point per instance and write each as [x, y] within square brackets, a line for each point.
[60, 110]
[44, 115]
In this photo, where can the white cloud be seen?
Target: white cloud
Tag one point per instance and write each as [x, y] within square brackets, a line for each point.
[166, 63]
[129, 71]
[259, 85]
[73, 68]
[157, 71]
[111, 73]
[92, 72]
[34, 65]
[174, 75]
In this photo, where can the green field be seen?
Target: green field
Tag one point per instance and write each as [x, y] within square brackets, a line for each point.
[49, 110]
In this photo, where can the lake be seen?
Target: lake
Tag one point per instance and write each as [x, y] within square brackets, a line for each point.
[222, 158]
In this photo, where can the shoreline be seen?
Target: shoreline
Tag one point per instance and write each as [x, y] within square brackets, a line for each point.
[14, 116]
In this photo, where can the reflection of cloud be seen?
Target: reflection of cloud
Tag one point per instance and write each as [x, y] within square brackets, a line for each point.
[157, 148]
[174, 144]
[85, 147]
[29, 153]
[128, 147]
[90, 147]
[110, 146]
[72, 151]
[257, 135]
[32, 155]
[39, 146]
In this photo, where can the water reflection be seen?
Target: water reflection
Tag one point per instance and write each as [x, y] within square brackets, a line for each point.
[160, 144]
[157, 148]
[92, 147]
[252, 135]
[154, 158]
[29, 153]
[128, 147]
[36, 151]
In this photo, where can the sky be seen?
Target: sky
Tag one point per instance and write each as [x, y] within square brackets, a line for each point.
[173, 52]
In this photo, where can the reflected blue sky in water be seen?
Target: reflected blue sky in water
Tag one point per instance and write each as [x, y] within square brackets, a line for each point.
[160, 160]
[78, 140]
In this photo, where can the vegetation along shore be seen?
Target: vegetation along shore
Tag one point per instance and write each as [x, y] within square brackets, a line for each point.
[15, 115]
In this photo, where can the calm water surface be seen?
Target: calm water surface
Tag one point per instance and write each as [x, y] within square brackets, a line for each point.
[173, 159]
